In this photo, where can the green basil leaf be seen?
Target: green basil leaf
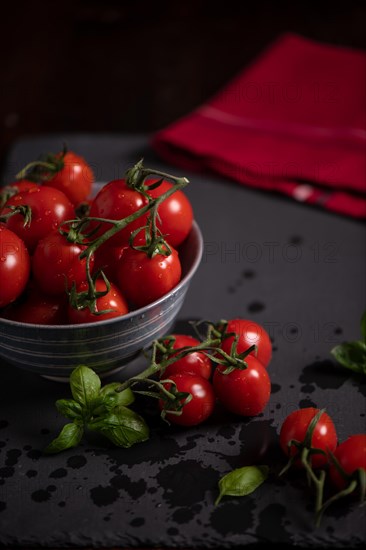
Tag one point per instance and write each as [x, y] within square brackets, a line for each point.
[85, 386]
[69, 408]
[124, 397]
[351, 355]
[121, 426]
[242, 482]
[70, 436]
[363, 326]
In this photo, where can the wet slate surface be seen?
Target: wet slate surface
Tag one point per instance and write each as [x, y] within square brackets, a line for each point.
[298, 271]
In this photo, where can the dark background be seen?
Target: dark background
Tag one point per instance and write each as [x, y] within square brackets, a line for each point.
[135, 66]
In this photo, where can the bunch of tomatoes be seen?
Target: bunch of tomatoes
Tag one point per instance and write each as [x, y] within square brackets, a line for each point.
[58, 268]
[308, 437]
[240, 380]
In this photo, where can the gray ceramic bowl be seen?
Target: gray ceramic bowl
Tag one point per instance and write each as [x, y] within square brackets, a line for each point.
[53, 351]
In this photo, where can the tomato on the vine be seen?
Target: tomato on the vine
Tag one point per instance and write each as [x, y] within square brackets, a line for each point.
[200, 407]
[195, 363]
[49, 208]
[351, 456]
[243, 391]
[56, 264]
[115, 201]
[74, 177]
[295, 428]
[175, 214]
[14, 266]
[113, 301]
[249, 333]
[144, 280]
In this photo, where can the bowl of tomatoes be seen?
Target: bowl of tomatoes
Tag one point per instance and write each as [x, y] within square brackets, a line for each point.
[91, 289]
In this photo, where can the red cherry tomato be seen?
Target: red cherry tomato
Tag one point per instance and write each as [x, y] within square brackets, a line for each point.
[249, 333]
[40, 309]
[56, 264]
[201, 405]
[14, 266]
[116, 201]
[144, 280]
[295, 427]
[75, 177]
[49, 208]
[106, 258]
[196, 363]
[112, 300]
[175, 213]
[351, 455]
[244, 392]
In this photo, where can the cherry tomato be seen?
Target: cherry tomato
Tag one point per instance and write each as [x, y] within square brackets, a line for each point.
[49, 208]
[249, 333]
[106, 258]
[196, 363]
[116, 201]
[144, 280]
[351, 455]
[112, 300]
[175, 213]
[244, 392]
[201, 405]
[39, 308]
[56, 264]
[14, 266]
[295, 427]
[75, 177]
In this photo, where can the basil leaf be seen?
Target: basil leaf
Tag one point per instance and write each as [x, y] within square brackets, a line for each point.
[124, 397]
[70, 436]
[69, 408]
[351, 355]
[85, 386]
[121, 426]
[242, 482]
[363, 326]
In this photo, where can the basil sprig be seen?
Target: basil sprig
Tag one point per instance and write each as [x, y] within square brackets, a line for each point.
[352, 355]
[242, 481]
[100, 409]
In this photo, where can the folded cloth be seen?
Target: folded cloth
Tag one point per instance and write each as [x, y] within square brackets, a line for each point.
[293, 122]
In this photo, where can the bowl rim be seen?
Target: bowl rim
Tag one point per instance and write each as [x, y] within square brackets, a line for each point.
[136, 312]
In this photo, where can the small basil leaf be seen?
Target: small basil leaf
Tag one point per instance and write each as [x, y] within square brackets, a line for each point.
[124, 397]
[121, 426]
[70, 436]
[363, 326]
[85, 386]
[69, 408]
[242, 482]
[351, 355]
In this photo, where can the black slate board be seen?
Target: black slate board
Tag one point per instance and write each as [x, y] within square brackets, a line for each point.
[298, 271]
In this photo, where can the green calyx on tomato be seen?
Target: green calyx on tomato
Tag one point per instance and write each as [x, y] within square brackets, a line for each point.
[45, 168]
[23, 209]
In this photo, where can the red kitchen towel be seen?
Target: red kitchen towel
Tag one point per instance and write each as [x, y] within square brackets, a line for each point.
[293, 122]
